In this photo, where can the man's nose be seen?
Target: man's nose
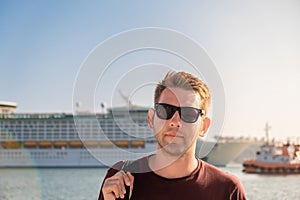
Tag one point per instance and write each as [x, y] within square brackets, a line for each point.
[175, 121]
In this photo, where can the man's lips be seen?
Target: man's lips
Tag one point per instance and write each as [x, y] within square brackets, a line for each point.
[173, 135]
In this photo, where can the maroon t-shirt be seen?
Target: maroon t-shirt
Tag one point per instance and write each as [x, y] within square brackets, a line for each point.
[206, 182]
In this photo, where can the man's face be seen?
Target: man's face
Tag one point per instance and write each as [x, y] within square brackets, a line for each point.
[175, 136]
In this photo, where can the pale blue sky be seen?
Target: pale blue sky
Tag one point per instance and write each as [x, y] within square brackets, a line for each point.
[254, 44]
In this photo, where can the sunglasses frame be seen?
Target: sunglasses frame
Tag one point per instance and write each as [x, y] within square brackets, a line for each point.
[176, 108]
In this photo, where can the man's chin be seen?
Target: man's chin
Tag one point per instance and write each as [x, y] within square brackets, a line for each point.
[173, 150]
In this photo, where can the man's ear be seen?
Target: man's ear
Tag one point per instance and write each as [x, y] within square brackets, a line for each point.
[150, 118]
[205, 126]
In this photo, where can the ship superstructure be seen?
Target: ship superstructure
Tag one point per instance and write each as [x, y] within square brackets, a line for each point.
[53, 139]
[86, 139]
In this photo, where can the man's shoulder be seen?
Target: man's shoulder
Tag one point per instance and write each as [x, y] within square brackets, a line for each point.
[134, 166]
[217, 174]
[114, 169]
[225, 181]
[137, 166]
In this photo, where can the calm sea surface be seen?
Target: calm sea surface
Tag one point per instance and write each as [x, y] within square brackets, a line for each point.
[84, 183]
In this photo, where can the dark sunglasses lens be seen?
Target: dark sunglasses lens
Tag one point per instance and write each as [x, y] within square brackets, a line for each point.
[189, 115]
[164, 111]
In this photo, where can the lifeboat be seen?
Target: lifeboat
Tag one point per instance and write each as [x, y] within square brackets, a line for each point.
[106, 144]
[60, 144]
[11, 145]
[75, 144]
[30, 144]
[91, 144]
[137, 144]
[45, 144]
[121, 143]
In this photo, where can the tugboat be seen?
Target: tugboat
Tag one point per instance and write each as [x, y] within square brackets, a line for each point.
[268, 161]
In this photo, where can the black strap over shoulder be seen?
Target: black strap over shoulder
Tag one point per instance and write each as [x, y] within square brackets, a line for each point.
[126, 167]
[134, 166]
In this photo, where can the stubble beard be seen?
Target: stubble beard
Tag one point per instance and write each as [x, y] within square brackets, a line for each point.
[172, 149]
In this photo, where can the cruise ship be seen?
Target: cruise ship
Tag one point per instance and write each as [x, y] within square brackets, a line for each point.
[84, 139]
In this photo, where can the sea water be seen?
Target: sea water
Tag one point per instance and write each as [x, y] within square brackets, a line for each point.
[84, 183]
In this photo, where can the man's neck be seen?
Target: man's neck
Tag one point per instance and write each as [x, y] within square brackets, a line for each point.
[173, 167]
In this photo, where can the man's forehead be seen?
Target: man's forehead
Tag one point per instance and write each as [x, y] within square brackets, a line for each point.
[180, 96]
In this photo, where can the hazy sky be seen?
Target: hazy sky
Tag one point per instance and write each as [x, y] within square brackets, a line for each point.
[255, 46]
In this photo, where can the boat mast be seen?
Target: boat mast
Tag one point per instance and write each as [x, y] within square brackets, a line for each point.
[267, 128]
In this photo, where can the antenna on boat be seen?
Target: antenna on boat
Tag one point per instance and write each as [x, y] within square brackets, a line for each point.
[267, 128]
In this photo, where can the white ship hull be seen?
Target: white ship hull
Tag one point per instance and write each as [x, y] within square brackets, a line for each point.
[103, 157]
[225, 152]
[219, 154]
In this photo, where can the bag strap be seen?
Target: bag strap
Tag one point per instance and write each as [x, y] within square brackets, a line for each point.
[126, 167]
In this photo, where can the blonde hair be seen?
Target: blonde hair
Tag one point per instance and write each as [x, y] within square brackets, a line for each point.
[185, 81]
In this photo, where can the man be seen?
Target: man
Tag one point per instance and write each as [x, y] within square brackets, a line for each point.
[179, 117]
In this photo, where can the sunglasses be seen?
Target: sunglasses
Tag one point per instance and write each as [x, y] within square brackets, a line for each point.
[187, 114]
